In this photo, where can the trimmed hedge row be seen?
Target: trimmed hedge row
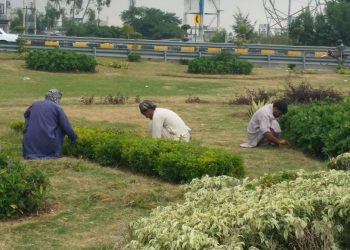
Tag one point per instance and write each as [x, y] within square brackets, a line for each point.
[222, 63]
[319, 128]
[21, 190]
[170, 160]
[57, 60]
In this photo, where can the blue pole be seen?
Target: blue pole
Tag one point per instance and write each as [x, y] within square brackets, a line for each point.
[201, 7]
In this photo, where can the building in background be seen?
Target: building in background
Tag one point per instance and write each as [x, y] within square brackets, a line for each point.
[4, 17]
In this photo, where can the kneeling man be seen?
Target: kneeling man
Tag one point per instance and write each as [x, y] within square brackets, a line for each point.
[165, 123]
[263, 128]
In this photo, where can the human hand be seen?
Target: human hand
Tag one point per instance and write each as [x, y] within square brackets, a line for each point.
[282, 142]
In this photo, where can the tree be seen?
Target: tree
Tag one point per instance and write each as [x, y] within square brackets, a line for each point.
[337, 13]
[324, 33]
[243, 27]
[51, 16]
[219, 36]
[153, 23]
[16, 23]
[302, 28]
[128, 30]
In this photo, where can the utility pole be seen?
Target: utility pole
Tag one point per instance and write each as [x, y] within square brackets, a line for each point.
[23, 20]
[24, 17]
[34, 12]
[289, 17]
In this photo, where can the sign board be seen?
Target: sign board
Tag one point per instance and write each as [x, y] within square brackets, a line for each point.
[197, 19]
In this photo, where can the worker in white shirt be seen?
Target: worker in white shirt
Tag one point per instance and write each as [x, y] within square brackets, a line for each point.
[263, 128]
[165, 123]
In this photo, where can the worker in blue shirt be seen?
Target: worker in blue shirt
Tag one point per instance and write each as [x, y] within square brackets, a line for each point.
[45, 126]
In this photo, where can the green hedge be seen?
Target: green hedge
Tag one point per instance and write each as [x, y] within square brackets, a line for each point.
[170, 160]
[222, 63]
[320, 128]
[57, 60]
[21, 190]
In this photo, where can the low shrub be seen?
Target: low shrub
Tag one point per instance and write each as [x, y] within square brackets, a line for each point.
[291, 66]
[21, 190]
[259, 95]
[17, 125]
[87, 100]
[319, 128]
[254, 106]
[343, 70]
[170, 160]
[304, 93]
[133, 57]
[184, 61]
[193, 99]
[222, 63]
[137, 99]
[114, 64]
[57, 60]
[294, 211]
[118, 99]
[341, 162]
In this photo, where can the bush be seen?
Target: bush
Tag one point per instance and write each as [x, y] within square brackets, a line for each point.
[341, 162]
[133, 57]
[184, 61]
[17, 125]
[170, 160]
[292, 211]
[60, 61]
[118, 99]
[193, 99]
[319, 128]
[87, 100]
[222, 63]
[304, 93]
[21, 190]
[253, 107]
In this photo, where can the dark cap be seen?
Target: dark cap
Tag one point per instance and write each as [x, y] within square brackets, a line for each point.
[145, 105]
[281, 106]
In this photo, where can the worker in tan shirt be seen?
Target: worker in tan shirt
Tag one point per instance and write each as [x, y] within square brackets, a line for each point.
[263, 128]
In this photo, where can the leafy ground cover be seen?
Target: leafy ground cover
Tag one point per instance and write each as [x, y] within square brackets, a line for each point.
[91, 207]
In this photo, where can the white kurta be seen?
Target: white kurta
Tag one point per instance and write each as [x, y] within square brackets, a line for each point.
[261, 122]
[167, 124]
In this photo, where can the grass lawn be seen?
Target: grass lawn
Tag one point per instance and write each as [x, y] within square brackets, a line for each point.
[90, 207]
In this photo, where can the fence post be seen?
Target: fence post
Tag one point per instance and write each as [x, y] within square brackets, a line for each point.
[94, 51]
[165, 56]
[304, 61]
[268, 60]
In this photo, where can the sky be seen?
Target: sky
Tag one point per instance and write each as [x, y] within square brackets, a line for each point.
[254, 8]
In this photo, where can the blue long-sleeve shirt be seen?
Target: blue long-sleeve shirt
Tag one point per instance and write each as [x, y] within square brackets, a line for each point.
[45, 126]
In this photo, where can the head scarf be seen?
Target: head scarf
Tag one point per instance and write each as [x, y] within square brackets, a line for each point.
[54, 95]
[145, 105]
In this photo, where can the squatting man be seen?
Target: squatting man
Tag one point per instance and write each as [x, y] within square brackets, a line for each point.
[165, 123]
[263, 128]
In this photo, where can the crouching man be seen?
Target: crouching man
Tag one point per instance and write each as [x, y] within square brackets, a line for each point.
[165, 123]
[263, 128]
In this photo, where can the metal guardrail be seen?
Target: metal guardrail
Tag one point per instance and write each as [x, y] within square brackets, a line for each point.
[122, 52]
[120, 41]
